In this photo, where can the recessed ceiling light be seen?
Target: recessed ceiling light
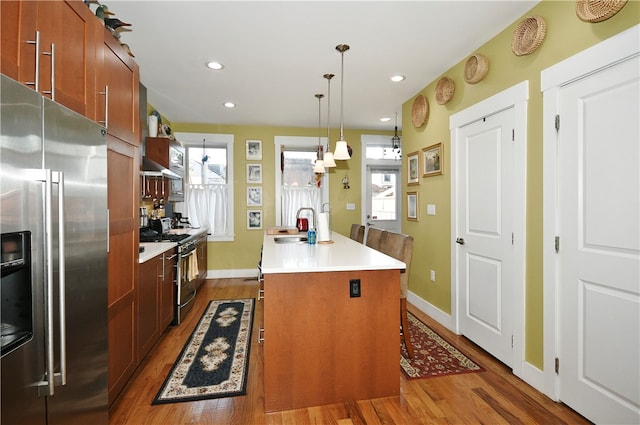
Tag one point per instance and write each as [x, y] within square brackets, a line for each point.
[229, 105]
[385, 119]
[214, 65]
[397, 78]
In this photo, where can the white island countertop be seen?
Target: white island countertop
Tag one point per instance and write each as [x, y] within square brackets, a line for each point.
[343, 254]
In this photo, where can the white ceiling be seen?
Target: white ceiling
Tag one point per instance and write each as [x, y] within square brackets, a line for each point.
[275, 55]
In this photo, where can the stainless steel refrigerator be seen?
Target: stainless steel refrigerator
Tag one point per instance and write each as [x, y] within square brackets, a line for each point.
[54, 225]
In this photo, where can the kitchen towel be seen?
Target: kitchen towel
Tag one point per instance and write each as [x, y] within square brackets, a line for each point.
[324, 231]
[193, 266]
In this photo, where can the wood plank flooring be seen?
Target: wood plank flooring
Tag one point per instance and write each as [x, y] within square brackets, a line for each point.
[495, 396]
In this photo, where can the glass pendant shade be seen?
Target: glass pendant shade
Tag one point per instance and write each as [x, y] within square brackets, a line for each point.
[318, 167]
[329, 160]
[342, 152]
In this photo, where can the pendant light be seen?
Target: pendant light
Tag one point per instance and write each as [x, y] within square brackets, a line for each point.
[318, 166]
[395, 140]
[342, 152]
[328, 155]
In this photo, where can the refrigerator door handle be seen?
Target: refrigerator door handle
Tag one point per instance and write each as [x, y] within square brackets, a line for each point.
[46, 387]
[58, 177]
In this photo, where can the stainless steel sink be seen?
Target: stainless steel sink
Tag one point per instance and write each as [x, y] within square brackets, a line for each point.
[290, 239]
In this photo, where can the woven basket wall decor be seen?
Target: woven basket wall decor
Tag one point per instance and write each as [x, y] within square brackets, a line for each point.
[598, 10]
[528, 35]
[419, 111]
[476, 68]
[444, 90]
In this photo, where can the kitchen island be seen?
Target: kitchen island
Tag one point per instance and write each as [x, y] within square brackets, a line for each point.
[331, 323]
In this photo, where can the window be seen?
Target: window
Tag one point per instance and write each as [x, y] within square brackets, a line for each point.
[297, 185]
[209, 183]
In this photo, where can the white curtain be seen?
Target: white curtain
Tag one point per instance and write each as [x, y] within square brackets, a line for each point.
[295, 197]
[206, 207]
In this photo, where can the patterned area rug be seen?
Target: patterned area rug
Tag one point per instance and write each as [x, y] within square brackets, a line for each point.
[215, 360]
[433, 356]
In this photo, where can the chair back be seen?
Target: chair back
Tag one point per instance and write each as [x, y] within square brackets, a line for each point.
[357, 232]
[374, 237]
[400, 247]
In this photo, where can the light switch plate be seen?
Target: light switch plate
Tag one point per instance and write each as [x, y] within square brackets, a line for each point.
[351, 207]
[431, 209]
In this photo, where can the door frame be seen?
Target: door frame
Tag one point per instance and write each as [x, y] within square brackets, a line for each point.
[609, 52]
[367, 164]
[515, 97]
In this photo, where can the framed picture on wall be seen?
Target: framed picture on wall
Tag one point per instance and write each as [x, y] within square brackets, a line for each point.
[432, 160]
[254, 196]
[413, 168]
[254, 173]
[412, 206]
[254, 219]
[254, 150]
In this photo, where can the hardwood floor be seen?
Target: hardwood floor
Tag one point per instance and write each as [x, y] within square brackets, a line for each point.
[495, 396]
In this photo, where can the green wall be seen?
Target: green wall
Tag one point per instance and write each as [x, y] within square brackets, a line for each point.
[244, 251]
[566, 35]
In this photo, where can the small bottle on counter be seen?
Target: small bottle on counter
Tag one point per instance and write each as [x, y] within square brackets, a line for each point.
[311, 237]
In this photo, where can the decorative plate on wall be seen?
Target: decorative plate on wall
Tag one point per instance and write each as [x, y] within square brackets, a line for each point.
[476, 68]
[528, 35]
[598, 10]
[444, 90]
[419, 111]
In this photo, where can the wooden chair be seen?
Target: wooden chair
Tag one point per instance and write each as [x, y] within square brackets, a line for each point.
[400, 247]
[374, 236]
[357, 232]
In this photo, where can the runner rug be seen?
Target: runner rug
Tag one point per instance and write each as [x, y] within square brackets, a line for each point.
[433, 355]
[215, 360]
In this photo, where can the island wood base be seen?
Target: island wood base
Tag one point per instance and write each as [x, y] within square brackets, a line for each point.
[321, 346]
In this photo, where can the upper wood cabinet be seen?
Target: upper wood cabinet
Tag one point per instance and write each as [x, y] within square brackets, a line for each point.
[50, 45]
[63, 48]
[118, 89]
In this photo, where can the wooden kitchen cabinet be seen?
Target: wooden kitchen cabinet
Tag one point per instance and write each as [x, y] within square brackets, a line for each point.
[117, 89]
[148, 301]
[123, 165]
[201, 252]
[70, 27]
[168, 289]
[155, 300]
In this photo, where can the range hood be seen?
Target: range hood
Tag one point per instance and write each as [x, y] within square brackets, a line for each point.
[153, 169]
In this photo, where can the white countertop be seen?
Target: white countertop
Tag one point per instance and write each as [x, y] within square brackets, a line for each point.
[343, 255]
[151, 249]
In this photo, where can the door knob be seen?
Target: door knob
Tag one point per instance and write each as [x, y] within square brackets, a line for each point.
[460, 241]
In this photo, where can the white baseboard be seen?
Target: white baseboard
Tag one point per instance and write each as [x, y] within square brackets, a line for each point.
[532, 376]
[432, 311]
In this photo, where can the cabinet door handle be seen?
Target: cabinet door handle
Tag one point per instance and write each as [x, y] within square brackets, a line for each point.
[36, 82]
[52, 53]
[105, 93]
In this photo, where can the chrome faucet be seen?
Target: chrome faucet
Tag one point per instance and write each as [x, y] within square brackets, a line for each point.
[313, 215]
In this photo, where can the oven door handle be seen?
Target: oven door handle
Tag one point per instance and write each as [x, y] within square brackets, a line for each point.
[195, 292]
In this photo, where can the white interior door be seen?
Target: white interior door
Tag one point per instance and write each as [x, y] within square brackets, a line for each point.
[485, 232]
[599, 255]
